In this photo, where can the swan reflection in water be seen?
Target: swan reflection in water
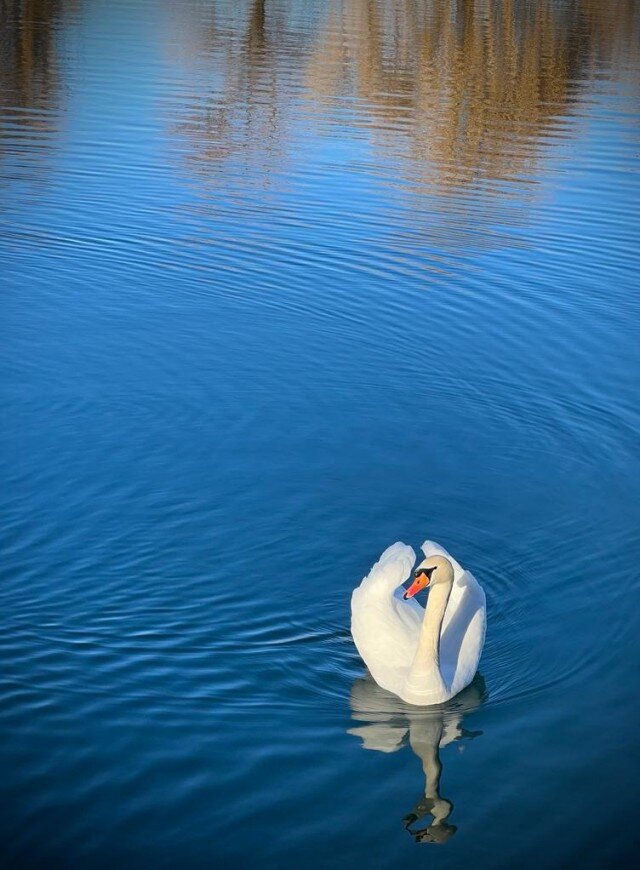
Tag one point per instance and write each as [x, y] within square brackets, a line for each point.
[389, 721]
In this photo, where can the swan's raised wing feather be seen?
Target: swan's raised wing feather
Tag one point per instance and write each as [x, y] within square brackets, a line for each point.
[463, 633]
[385, 628]
[391, 570]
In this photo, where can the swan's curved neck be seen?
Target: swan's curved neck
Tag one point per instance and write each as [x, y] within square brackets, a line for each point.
[425, 676]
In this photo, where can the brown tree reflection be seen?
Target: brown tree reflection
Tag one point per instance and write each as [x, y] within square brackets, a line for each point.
[457, 93]
[467, 89]
[245, 117]
[29, 75]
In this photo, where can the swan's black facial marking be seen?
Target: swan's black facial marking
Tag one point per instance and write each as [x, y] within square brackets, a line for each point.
[427, 571]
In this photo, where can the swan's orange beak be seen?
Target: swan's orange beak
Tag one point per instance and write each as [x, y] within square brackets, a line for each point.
[421, 581]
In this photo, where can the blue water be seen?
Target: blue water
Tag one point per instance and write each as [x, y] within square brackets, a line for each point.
[281, 283]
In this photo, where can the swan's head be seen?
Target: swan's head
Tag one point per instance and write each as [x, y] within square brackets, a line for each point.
[432, 570]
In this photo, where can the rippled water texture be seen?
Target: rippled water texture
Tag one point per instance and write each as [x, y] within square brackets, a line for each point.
[281, 283]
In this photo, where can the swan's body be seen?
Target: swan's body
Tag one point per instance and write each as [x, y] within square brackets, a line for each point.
[423, 655]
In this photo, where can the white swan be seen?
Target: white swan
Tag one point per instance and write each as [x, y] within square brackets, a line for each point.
[423, 655]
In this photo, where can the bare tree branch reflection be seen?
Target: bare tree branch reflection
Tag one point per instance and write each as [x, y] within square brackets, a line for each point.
[29, 74]
[454, 94]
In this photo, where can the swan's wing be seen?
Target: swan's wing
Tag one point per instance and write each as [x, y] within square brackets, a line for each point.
[463, 631]
[385, 628]
[391, 569]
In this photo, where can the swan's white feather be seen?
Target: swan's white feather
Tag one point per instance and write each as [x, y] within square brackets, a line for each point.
[386, 628]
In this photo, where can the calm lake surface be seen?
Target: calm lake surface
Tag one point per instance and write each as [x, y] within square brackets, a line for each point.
[282, 283]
